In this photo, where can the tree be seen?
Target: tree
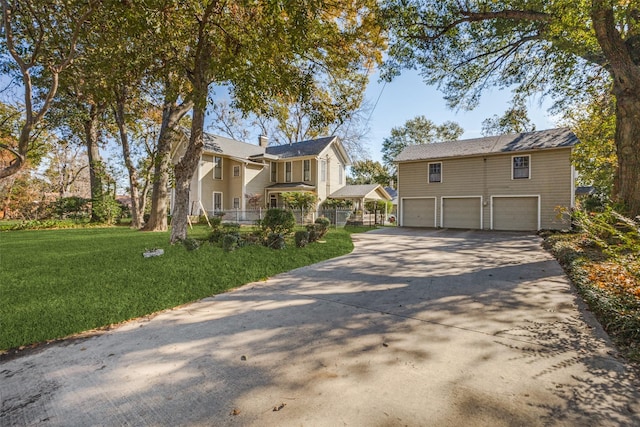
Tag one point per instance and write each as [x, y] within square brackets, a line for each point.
[595, 156]
[514, 120]
[556, 48]
[41, 41]
[369, 172]
[299, 200]
[418, 130]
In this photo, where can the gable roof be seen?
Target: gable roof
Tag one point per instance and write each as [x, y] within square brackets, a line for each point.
[362, 191]
[552, 138]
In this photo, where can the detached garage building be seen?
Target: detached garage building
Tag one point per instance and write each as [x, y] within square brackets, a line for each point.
[510, 182]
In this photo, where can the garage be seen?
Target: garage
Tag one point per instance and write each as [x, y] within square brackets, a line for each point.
[462, 212]
[515, 213]
[419, 212]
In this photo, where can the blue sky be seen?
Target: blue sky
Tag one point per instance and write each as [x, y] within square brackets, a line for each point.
[408, 96]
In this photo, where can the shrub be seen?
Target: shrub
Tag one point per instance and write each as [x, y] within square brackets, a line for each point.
[191, 244]
[276, 241]
[230, 242]
[301, 238]
[324, 221]
[71, 207]
[278, 221]
[215, 221]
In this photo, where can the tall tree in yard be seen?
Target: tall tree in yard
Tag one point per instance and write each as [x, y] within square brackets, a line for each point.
[260, 51]
[40, 40]
[557, 48]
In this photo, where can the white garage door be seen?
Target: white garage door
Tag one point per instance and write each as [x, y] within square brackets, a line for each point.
[418, 212]
[515, 213]
[461, 212]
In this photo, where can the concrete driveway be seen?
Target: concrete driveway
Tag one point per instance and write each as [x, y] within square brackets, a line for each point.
[417, 328]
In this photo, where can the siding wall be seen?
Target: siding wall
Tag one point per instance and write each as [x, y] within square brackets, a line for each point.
[550, 177]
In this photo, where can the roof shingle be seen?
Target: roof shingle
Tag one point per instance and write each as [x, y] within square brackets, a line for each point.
[552, 138]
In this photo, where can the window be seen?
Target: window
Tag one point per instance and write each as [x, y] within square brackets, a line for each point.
[435, 172]
[236, 203]
[287, 172]
[521, 167]
[217, 167]
[323, 170]
[236, 171]
[274, 172]
[340, 172]
[217, 202]
[273, 201]
[306, 174]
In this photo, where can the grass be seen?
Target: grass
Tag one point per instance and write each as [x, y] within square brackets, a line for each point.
[55, 283]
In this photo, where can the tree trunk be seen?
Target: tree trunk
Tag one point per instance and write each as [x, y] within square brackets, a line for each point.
[625, 74]
[171, 115]
[136, 212]
[96, 166]
[184, 171]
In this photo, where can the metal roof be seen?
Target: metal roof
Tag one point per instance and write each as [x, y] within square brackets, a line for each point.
[552, 138]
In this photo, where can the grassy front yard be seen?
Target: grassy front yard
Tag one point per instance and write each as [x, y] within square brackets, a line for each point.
[54, 283]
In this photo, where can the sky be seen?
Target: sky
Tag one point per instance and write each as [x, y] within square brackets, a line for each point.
[407, 96]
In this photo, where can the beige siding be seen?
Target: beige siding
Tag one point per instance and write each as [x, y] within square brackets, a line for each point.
[419, 212]
[550, 178]
[256, 179]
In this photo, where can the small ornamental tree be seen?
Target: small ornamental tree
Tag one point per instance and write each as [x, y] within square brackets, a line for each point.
[300, 200]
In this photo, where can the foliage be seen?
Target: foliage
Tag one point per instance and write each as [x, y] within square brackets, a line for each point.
[301, 238]
[101, 278]
[276, 241]
[230, 242]
[277, 221]
[71, 207]
[330, 203]
[191, 244]
[418, 130]
[326, 222]
[514, 120]
[369, 172]
[106, 209]
[594, 157]
[302, 200]
[318, 229]
[379, 206]
[602, 259]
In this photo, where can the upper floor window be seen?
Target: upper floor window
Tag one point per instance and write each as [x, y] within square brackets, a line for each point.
[236, 171]
[274, 172]
[435, 172]
[340, 174]
[521, 167]
[217, 167]
[306, 170]
[287, 172]
[323, 170]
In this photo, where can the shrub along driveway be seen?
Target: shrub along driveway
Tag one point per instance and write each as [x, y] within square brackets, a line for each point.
[430, 327]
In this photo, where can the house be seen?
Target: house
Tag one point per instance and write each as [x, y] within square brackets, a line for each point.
[508, 182]
[238, 176]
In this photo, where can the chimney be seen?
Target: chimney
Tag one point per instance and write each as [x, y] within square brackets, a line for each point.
[263, 140]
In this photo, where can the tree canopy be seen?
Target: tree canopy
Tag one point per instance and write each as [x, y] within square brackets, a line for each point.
[556, 48]
[418, 130]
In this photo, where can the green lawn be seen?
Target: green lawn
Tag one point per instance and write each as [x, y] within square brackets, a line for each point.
[54, 283]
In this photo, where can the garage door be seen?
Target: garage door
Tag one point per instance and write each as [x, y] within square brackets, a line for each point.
[418, 212]
[515, 213]
[461, 213]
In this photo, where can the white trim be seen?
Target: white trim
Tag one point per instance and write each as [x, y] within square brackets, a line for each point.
[290, 164]
[435, 209]
[573, 186]
[504, 196]
[429, 173]
[213, 200]
[460, 197]
[530, 163]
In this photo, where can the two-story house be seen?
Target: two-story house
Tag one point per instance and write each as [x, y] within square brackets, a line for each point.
[235, 175]
[507, 182]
